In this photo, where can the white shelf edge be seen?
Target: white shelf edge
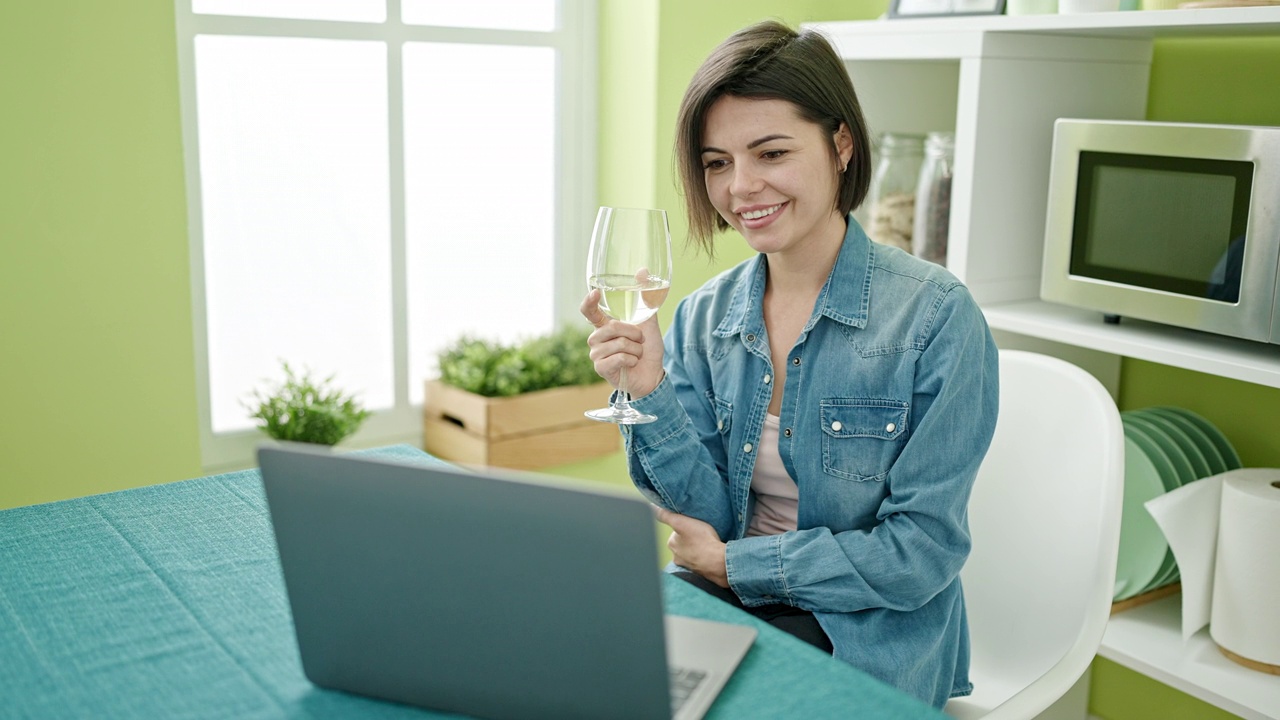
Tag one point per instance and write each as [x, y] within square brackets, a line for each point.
[1252, 362]
[1141, 23]
[954, 38]
[1148, 639]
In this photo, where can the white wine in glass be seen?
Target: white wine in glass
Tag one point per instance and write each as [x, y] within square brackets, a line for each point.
[630, 264]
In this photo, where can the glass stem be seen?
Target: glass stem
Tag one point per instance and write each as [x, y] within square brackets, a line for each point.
[624, 398]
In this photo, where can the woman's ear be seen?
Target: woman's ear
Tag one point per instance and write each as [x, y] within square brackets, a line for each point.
[843, 140]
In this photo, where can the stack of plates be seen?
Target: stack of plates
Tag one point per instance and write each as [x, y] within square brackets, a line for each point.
[1165, 448]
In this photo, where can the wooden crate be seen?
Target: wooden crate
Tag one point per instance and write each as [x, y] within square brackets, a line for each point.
[521, 432]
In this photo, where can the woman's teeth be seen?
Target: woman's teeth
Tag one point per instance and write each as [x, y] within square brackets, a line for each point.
[757, 214]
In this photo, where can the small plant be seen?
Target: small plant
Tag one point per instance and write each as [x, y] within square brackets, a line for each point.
[494, 369]
[302, 409]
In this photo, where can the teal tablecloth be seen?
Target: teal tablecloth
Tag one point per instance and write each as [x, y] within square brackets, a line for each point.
[167, 602]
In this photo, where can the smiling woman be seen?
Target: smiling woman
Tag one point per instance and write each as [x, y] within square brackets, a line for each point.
[822, 408]
[818, 95]
[771, 175]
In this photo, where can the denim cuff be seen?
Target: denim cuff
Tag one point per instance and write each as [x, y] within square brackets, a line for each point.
[662, 404]
[754, 568]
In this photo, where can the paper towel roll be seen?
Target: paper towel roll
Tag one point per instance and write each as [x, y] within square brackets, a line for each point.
[1224, 531]
[1188, 517]
[1246, 578]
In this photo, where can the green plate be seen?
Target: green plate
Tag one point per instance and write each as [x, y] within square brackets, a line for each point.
[1158, 447]
[1170, 478]
[1175, 469]
[1199, 463]
[1217, 463]
[1142, 545]
[1215, 435]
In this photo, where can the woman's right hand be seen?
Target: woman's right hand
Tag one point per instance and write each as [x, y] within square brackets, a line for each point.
[616, 345]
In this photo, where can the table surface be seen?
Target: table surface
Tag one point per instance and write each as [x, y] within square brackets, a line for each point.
[167, 601]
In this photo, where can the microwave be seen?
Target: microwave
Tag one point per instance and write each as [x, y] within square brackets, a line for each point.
[1172, 223]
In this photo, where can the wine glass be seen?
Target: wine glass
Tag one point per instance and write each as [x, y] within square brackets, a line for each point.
[630, 264]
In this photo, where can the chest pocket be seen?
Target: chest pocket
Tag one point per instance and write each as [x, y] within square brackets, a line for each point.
[862, 437]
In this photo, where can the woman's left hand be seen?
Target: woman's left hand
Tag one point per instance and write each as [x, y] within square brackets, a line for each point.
[695, 545]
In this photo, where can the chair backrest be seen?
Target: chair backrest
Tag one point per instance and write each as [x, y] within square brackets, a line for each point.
[1045, 519]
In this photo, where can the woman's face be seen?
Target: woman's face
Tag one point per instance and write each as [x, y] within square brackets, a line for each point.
[771, 174]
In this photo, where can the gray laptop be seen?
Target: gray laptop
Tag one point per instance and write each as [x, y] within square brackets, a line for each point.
[483, 594]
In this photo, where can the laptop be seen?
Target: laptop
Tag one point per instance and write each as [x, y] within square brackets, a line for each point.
[486, 594]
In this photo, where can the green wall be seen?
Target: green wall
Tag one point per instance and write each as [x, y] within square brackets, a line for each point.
[628, 91]
[97, 379]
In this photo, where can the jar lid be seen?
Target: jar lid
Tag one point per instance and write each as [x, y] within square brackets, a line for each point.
[902, 140]
[940, 141]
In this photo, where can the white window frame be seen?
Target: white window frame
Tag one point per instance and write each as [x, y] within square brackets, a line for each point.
[574, 40]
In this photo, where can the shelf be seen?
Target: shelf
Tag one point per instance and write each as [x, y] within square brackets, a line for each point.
[1148, 639]
[1203, 352]
[955, 37]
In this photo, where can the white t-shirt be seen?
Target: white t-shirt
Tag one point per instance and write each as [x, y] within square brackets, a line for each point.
[777, 495]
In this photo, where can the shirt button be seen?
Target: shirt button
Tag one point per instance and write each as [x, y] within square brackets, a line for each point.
[787, 432]
[890, 427]
[751, 338]
[795, 361]
[836, 426]
[719, 424]
[746, 448]
[767, 379]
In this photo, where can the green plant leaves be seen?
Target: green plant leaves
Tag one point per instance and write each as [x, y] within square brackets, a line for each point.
[302, 409]
[493, 369]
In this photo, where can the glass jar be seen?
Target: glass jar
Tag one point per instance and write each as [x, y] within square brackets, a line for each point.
[892, 196]
[933, 199]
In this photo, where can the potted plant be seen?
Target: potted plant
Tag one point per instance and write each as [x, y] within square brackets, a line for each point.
[517, 405]
[303, 409]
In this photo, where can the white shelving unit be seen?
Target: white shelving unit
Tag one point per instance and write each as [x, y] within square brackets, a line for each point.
[999, 83]
[1148, 639]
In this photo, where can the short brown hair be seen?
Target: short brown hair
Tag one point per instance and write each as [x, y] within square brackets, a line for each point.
[769, 60]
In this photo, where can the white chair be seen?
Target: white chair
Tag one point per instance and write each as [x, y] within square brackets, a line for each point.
[1045, 518]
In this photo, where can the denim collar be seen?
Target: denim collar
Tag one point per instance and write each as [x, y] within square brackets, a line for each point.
[844, 297]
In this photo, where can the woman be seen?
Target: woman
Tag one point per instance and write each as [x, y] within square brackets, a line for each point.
[823, 407]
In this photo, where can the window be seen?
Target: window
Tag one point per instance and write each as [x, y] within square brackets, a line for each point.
[370, 179]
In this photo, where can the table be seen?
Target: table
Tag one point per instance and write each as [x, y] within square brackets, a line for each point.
[167, 601]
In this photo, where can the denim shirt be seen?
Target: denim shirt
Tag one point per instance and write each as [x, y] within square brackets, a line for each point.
[888, 407]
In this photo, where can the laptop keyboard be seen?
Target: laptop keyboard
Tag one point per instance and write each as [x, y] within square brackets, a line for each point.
[683, 682]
